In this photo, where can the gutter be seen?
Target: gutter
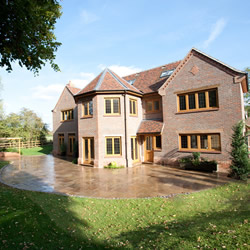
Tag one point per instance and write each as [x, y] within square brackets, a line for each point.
[125, 128]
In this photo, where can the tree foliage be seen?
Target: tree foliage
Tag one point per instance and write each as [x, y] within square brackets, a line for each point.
[240, 166]
[26, 33]
[25, 124]
[247, 95]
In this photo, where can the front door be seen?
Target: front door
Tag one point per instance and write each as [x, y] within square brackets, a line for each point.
[149, 152]
[134, 149]
[88, 150]
[71, 144]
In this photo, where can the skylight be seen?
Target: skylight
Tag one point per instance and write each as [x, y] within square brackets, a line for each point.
[131, 81]
[167, 73]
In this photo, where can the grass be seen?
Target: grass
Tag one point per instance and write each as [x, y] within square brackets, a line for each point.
[43, 150]
[216, 218]
[3, 163]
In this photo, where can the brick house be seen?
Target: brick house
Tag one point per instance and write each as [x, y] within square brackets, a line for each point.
[158, 115]
[65, 121]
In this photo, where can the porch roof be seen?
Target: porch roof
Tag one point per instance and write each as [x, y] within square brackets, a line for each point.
[150, 127]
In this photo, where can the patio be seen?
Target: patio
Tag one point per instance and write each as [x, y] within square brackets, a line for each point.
[53, 175]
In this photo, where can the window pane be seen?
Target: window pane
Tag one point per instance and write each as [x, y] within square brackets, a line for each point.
[91, 108]
[134, 107]
[182, 100]
[63, 118]
[85, 108]
[215, 142]
[86, 149]
[109, 146]
[202, 100]
[117, 145]
[108, 106]
[72, 114]
[149, 143]
[158, 141]
[130, 107]
[184, 141]
[194, 141]
[212, 98]
[156, 105]
[204, 144]
[136, 149]
[92, 148]
[149, 106]
[116, 106]
[191, 101]
[132, 148]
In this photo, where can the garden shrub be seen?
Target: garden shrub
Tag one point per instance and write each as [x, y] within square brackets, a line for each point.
[63, 149]
[240, 167]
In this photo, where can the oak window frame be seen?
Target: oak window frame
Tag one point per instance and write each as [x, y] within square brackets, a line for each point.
[197, 101]
[133, 108]
[113, 146]
[69, 113]
[112, 113]
[152, 102]
[88, 115]
[199, 147]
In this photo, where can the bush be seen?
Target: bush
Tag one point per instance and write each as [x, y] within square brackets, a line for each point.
[74, 161]
[240, 166]
[113, 165]
[63, 149]
[75, 149]
[195, 162]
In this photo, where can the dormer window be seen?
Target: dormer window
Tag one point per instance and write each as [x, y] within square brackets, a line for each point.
[131, 82]
[166, 73]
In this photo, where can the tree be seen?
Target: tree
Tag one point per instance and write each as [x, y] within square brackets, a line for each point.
[25, 124]
[26, 33]
[240, 166]
[247, 96]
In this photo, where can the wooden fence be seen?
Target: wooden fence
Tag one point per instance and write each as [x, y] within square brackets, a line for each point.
[23, 144]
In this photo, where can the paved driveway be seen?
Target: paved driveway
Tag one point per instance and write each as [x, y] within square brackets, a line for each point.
[50, 174]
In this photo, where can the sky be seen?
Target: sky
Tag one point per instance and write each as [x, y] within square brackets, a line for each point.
[128, 36]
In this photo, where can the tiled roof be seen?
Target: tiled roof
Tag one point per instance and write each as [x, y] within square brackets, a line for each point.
[150, 81]
[108, 80]
[150, 126]
[73, 90]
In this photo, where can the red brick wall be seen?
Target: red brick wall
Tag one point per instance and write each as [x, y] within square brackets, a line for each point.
[221, 121]
[66, 101]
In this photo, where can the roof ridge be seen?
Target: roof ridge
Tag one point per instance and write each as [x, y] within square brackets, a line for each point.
[152, 68]
[218, 61]
[117, 79]
[101, 79]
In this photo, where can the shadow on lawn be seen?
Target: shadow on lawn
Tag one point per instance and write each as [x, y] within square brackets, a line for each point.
[34, 220]
[181, 233]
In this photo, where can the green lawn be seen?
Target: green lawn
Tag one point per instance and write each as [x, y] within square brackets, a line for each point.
[43, 150]
[216, 218]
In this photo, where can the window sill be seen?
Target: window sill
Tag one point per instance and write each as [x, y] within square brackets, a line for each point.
[196, 111]
[113, 156]
[152, 112]
[133, 115]
[67, 120]
[200, 151]
[157, 150]
[86, 117]
[112, 115]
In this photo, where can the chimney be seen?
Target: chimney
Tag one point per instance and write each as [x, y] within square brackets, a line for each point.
[70, 84]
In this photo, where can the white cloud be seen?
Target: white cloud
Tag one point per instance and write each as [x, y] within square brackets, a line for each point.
[215, 32]
[47, 92]
[121, 70]
[88, 17]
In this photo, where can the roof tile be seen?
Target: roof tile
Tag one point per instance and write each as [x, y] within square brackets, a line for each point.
[150, 127]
